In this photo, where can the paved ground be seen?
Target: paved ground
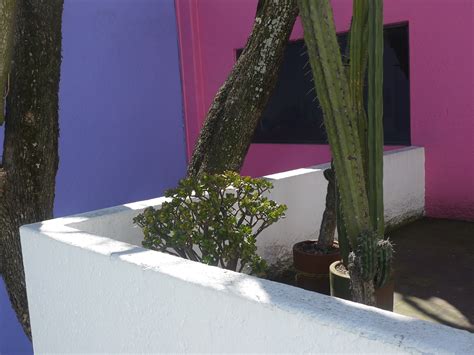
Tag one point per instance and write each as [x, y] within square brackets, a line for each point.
[434, 271]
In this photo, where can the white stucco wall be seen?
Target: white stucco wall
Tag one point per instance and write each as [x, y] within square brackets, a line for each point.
[92, 288]
[304, 192]
[89, 293]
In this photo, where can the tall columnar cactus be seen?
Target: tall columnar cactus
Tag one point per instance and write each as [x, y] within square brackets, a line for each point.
[375, 116]
[356, 58]
[356, 142]
[339, 117]
[366, 48]
[357, 69]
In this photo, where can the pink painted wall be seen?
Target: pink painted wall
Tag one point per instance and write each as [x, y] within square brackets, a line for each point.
[441, 67]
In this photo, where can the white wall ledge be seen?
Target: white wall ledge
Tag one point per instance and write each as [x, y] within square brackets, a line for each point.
[93, 288]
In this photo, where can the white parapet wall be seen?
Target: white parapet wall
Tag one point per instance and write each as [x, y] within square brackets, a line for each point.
[304, 192]
[93, 288]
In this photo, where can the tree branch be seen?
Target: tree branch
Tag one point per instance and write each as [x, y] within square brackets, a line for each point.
[238, 105]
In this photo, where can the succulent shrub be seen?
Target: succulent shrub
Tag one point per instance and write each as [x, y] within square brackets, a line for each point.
[214, 219]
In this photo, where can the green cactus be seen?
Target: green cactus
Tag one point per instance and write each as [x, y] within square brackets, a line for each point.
[374, 172]
[344, 245]
[339, 115]
[367, 252]
[375, 116]
[384, 262]
[375, 258]
[358, 57]
[356, 139]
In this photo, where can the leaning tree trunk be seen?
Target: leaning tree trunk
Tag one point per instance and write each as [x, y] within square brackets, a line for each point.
[30, 156]
[231, 121]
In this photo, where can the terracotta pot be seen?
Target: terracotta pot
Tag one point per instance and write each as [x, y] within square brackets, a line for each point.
[312, 270]
[340, 287]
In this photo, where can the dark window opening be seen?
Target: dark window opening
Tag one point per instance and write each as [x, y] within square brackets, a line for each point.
[294, 116]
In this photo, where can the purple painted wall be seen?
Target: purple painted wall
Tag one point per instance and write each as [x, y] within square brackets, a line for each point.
[121, 117]
[122, 135]
[441, 78]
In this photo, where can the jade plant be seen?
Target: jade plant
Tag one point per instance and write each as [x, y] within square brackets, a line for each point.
[355, 137]
[213, 219]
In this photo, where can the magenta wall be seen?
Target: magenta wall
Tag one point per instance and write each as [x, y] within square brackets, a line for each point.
[442, 80]
[441, 66]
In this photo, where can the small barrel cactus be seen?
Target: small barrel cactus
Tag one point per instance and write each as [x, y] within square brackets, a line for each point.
[384, 262]
[367, 251]
[375, 258]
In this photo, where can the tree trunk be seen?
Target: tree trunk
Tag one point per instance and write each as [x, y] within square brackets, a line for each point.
[231, 121]
[7, 22]
[30, 155]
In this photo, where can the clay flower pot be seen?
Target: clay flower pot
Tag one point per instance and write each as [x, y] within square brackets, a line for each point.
[340, 287]
[312, 265]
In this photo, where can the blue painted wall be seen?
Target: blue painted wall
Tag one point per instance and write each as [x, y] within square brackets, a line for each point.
[121, 120]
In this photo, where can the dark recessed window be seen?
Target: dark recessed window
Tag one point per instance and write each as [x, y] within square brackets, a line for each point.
[293, 114]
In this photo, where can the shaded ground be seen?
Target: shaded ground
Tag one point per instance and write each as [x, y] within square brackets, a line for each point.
[434, 271]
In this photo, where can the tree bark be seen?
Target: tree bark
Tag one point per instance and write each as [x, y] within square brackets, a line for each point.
[30, 155]
[231, 121]
[7, 23]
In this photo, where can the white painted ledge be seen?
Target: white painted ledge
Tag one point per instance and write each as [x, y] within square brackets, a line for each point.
[92, 288]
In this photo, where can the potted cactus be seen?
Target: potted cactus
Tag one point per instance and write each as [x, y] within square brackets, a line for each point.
[355, 138]
[312, 258]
